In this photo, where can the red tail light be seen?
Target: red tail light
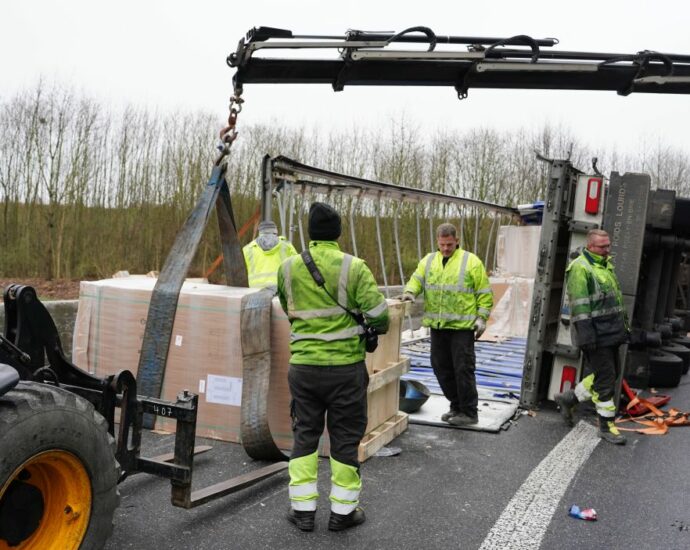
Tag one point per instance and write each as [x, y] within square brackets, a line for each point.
[593, 195]
[568, 378]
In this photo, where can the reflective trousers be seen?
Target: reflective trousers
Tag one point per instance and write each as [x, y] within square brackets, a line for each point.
[335, 397]
[601, 372]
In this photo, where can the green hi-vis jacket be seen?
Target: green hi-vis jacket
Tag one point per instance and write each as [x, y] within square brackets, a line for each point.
[322, 332]
[454, 294]
[597, 315]
[262, 265]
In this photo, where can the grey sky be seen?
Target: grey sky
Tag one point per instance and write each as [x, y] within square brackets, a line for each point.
[172, 53]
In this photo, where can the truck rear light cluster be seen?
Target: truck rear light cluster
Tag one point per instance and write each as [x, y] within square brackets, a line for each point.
[568, 378]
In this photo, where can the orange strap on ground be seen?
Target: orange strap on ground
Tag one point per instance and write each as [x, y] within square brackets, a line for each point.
[249, 223]
[658, 422]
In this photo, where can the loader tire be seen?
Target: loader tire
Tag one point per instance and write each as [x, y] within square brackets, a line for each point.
[58, 473]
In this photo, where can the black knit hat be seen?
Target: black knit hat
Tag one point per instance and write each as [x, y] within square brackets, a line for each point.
[324, 223]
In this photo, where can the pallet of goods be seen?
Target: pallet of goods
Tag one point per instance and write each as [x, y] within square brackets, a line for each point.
[206, 355]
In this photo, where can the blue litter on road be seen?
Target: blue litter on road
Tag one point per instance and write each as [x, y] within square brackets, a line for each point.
[588, 514]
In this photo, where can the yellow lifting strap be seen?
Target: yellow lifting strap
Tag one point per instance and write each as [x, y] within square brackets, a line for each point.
[658, 421]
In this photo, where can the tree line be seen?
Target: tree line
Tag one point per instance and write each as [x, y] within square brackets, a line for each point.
[86, 190]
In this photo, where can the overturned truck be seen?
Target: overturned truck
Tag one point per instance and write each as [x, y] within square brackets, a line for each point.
[61, 451]
[650, 242]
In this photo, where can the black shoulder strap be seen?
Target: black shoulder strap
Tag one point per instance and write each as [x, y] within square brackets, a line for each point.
[313, 270]
[320, 281]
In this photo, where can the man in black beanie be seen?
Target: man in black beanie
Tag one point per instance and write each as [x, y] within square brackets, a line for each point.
[328, 378]
[324, 223]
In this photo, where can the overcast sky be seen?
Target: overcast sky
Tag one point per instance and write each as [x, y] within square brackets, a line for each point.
[171, 54]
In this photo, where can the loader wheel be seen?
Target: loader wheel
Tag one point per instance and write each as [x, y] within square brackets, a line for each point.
[58, 473]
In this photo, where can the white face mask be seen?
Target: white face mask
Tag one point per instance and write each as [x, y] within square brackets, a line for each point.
[267, 241]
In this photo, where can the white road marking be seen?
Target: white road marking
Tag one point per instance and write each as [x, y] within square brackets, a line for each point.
[524, 521]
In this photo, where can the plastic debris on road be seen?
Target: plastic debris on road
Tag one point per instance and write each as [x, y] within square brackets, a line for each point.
[388, 451]
[588, 514]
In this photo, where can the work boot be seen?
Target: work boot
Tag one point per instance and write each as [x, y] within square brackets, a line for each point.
[304, 520]
[338, 522]
[462, 419]
[446, 416]
[566, 402]
[609, 432]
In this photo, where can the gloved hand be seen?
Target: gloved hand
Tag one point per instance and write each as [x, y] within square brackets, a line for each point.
[404, 297]
[479, 327]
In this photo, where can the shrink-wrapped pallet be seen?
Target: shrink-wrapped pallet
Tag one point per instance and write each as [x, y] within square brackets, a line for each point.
[512, 302]
[516, 250]
[205, 354]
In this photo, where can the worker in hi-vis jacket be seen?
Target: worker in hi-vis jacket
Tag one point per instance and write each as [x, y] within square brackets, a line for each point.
[598, 327]
[327, 377]
[457, 303]
[264, 254]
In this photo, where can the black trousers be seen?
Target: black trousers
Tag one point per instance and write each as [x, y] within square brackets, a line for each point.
[453, 361]
[603, 362]
[332, 395]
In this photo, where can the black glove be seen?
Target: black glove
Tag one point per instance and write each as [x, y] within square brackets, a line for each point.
[479, 327]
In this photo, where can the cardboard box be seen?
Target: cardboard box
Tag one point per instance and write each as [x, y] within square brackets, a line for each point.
[205, 354]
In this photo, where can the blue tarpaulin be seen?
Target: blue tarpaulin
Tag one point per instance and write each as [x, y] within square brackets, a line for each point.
[498, 369]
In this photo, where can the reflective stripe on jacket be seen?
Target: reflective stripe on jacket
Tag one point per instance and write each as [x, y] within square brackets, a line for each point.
[454, 294]
[262, 265]
[321, 332]
[597, 315]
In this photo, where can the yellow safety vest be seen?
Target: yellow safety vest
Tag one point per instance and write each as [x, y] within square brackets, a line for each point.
[596, 302]
[322, 332]
[262, 265]
[454, 294]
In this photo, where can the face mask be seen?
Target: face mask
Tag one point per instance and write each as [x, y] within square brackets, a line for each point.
[266, 241]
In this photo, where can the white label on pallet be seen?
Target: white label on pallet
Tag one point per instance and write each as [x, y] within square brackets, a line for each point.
[202, 386]
[224, 390]
[178, 340]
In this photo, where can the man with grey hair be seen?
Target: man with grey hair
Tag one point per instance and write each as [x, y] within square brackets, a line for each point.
[457, 303]
[264, 255]
[598, 328]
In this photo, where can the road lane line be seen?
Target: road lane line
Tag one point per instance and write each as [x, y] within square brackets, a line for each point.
[527, 516]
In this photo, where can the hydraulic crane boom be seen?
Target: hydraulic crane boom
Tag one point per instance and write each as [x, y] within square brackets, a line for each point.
[419, 57]
[369, 59]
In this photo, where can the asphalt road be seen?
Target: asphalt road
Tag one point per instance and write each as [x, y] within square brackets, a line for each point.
[448, 488]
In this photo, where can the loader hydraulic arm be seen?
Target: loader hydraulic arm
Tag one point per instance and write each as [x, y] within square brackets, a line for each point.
[378, 59]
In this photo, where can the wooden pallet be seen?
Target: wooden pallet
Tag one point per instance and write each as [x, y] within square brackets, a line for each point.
[383, 393]
[382, 435]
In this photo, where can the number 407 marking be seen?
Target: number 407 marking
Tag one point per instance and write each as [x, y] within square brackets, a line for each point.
[162, 410]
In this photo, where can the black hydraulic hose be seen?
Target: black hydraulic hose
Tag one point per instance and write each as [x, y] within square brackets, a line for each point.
[426, 30]
[401, 37]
